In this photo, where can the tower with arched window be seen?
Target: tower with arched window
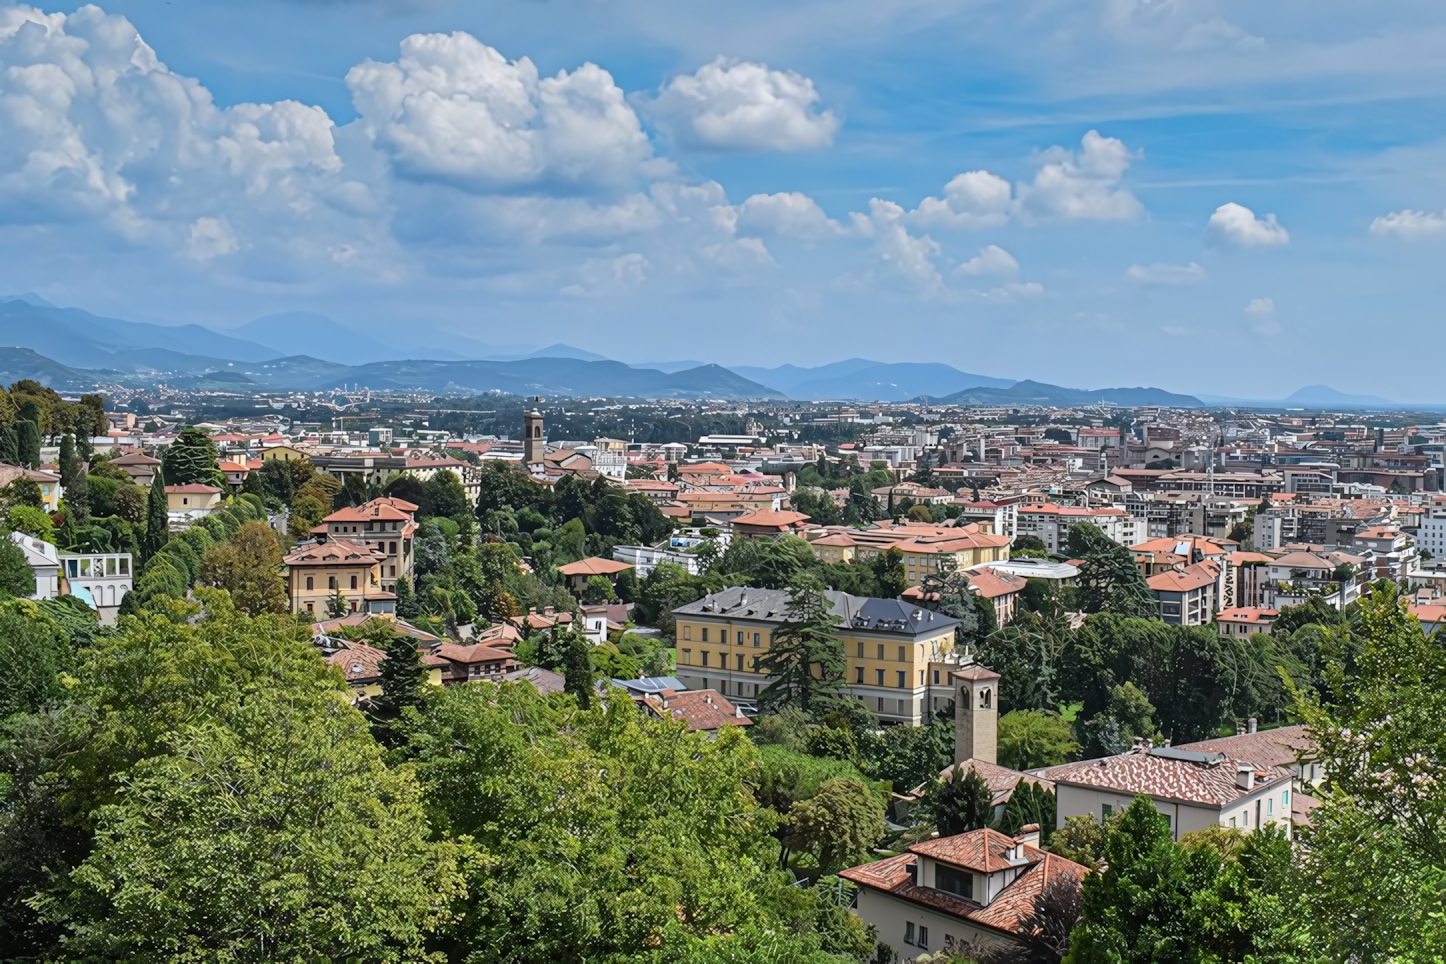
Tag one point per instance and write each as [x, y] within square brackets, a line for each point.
[534, 446]
[976, 714]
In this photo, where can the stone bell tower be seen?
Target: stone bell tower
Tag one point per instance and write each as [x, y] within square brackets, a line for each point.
[534, 446]
[976, 714]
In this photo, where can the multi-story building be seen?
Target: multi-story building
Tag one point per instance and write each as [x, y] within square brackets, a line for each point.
[102, 577]
[899, 655]
[187, 503]
[385, 525]
[1187, 597]
[1050, 523]
[319, 572]
[1431, 535]
[1389, 551]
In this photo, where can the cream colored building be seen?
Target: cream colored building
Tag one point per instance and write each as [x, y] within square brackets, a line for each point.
[317, 573]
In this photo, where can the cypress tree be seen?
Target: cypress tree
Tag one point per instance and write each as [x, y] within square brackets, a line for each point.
[577, 669]
[157, 519]
[27, 443]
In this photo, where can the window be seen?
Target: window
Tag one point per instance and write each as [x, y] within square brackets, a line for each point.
[1232, 823]
[902, 679]
[393, 573]
[309, 608]
[909, 932]
[393, 549]
[859, 677]
[861, 650]
[309, 582]
[125, 566]
[757, 639]
[936, 677]
[1105, 812]
[331, 582]
[879, 678]
[353, 582]
[705, 657]
[906, 707]
[986, 699]
[740, 637]
[740, 662]
[921, 677]
[705, 636]
[1168, 825]
[881, 650]
[903, 657]
[687, 632]
[1285, 798]
[687, 656]
[923, 936]
[960, 883]
[1270, 807]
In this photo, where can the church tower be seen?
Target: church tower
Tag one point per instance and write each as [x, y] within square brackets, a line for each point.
[534, 446]
[976, 714]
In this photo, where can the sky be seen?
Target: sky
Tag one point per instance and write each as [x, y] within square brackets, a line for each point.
[1210, 197]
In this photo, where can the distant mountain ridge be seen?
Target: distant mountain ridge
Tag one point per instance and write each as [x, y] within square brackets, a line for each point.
[1311, 396]
[860, 378]
[1030, 392]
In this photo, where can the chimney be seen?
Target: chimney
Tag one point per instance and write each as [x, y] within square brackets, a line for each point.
[1250, 725]
[1028, 836]
[1245, 776]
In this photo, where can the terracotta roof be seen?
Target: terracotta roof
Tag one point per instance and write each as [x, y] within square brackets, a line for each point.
[1190, 578]
[975, 672]
[1302, 560]
[992, 584]
[1248, 614]
[475, 653]
[337, 552]
[895, 876]
[1000, 780]
[135, 458]
[593, 566]
[323, 627]
[358, 661]
[700, 709]
[373, 511]
[1201, 778]
[835, 539]
[981, 850]
[1280, 747]
[772, 519]
[193, 488]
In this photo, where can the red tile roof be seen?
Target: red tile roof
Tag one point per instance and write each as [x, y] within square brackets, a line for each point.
[700, 709]
[593, 566]
[194, 488]
[1280, 747]
[771, 519]
[337, 552]
[1187, 781]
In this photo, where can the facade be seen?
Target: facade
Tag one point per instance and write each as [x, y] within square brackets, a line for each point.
[316, 573]
[899, 655]
[1187, 597]
[534, 444]
[1051, 523]
[962, 894]
[48, 483]
[44, 563]
[187, 503]
[140, 467]
[102, 578]
[1245, 620]
[386, 525]
[1192, 789]
[1431, 535]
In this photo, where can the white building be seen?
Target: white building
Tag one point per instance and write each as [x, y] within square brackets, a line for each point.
[44, 563]
[1051, 523]
[1431, 536]
[100, 578]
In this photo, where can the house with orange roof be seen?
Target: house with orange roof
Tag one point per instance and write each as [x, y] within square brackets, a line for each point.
[1187, 597]
[316, 573]
[705, 711]
[187, 503]
[1245, 620]
[385, 525]
[578, 573]
[962, 894]
[768, 523]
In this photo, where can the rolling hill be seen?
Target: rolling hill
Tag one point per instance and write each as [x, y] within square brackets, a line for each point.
[863, 379]
[1037, 393]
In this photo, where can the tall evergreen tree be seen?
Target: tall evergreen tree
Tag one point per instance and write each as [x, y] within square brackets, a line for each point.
[804, 644]
[27, 443]
[404, 677]
[577, 668]
[960, 802]
[157, 519]
[1109, 580]
[191, 458]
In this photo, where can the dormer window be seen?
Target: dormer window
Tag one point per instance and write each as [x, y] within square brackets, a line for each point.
[960, 883]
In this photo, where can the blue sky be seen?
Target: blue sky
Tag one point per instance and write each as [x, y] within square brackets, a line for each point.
[1212, 197]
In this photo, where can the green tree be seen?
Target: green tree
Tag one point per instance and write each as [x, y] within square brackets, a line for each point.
[191, 458]
[157, 520]
[598, 590]
[33, 522]
[16, 576]
[1082, 839]
[129, 503]
[403, 677]
[889, 575]
[1127, 717]
[337, 605]
[1137, 908]
[1108, 579]
[443, 495]
[838, 825]
[1034, 738]
[959, 802]
[32, 656]
[27, 442]
[1030, 803]
[577, 668]
[806, 663]
[1374, 855]
[249, 568]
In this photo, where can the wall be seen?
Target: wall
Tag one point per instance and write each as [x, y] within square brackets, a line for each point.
[1075, 801]
[889, 914]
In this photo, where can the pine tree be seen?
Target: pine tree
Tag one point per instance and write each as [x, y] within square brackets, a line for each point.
[157, 519]
[407, 607]
[1109, 580]
[577, 669]
[807, 641]
[403, 675]
[337, 606]
[28, 443]
[960, 802]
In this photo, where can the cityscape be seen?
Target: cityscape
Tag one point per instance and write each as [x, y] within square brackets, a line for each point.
[371, 591]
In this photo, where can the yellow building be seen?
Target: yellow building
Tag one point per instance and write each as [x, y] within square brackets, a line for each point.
[283, 453]
[927, 549]
[899, 655]
[317, 573]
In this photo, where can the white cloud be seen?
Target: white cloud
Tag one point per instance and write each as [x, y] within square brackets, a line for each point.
[1410, 224]
[1236, 224]
[974, 199]
[210, 238]
[1166, 274]
[1260, 306]
[1014, 291]
[908, 258]
[1081, 185]
[991, 259]
[452, 108]
[791, 214]
[736, 105]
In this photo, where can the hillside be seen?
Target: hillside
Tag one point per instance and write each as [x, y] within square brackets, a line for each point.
[1037, 393]
[864, 379]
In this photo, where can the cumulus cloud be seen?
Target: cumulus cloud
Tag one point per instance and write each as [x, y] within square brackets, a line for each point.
[1410, 224]
[1082, 185]
[453, 108]
[739, 106]
[908, 258]
[1236, 224]
[974, 199]
[210, 238]
[1260, 306]
[1166, 274]
[991, 259]
[791, 214]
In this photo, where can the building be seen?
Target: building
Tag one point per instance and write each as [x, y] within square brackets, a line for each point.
[963, 893]
[534, 444]
[1050, 523]
[48, 483]
[316, 573]
[44, 562]
[899, 655]
[102, 579]
[701, 710]
[578, 573]
[1431, 534]
[1187, 597]
[483, 662]
[1287, 747]
[1192, 789]
[385, 525]
[768, 523]
[1245, 620]
[187, 503]
[140, 467]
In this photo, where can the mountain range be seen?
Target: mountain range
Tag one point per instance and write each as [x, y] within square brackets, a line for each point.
[1037, 393]
[1311, 396]
[864, 379]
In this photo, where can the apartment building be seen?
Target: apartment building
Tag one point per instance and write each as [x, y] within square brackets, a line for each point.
[318, 572]
[1050, 523]
[1187, 597]
[899, 655]
[386, 525]
[1431, 535]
